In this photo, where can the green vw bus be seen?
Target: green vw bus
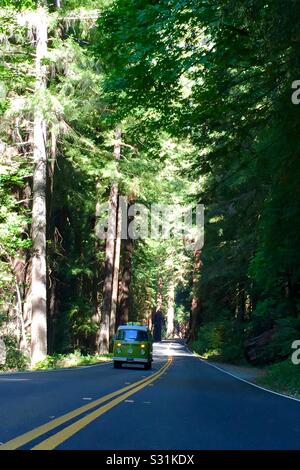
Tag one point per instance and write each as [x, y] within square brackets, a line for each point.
[133, 345]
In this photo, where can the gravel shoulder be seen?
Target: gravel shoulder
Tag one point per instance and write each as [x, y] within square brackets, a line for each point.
[244, 372]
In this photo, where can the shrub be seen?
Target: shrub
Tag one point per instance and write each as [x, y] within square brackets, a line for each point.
[15, 359]
[73, 359]
[283, 377]
[222, 339]
[287, 330]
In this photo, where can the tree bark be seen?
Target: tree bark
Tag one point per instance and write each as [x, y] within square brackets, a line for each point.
[170, 309]
[240, 302]
[124, 298]
[23, 339]
[39, 213]
[108, 279]
[97, 294]
[195, 307]
[159, 295]
[125, 281]
[157, 319]
[115, 282]
[109, 257]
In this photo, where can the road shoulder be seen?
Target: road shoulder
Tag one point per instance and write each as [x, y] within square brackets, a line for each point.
[252, 374]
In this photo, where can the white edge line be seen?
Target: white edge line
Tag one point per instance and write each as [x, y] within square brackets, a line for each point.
[242, 380]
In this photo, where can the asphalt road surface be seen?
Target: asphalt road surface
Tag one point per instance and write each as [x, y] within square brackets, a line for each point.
[182, 403]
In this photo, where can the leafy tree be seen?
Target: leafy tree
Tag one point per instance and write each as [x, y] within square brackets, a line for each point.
[220, 74]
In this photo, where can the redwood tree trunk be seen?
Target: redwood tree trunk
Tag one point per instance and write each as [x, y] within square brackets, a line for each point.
[115, 281]
[109, 263]
[39, 213]
[195, 307]
[105, 327]
[97, 294]
[124, 298]
[170, 310]
[157, 319]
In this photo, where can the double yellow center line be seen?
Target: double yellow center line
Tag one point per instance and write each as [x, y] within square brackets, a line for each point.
[55, 440]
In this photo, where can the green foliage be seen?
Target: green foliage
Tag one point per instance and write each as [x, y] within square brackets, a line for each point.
[14, 220]
[264, 315]
[18, 4]
[283, 377]
[75, 359]
[202, 91]
[157, 262]
[221, 340]
[220, 74]
[286, 331]
[72, 106]
[15, 359]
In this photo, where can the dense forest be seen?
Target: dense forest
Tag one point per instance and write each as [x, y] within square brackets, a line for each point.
[162, 102]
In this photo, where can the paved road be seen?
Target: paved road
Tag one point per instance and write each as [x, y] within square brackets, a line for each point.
[182, 404]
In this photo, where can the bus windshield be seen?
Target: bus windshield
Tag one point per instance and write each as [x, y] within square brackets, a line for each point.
[132, 335]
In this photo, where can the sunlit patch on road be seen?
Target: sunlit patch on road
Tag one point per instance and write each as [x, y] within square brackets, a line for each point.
[170, 348]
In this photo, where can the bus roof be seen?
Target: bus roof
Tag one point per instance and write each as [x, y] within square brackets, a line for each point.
[133, 327]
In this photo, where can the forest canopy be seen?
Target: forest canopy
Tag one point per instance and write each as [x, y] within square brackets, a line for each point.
[172, 102]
